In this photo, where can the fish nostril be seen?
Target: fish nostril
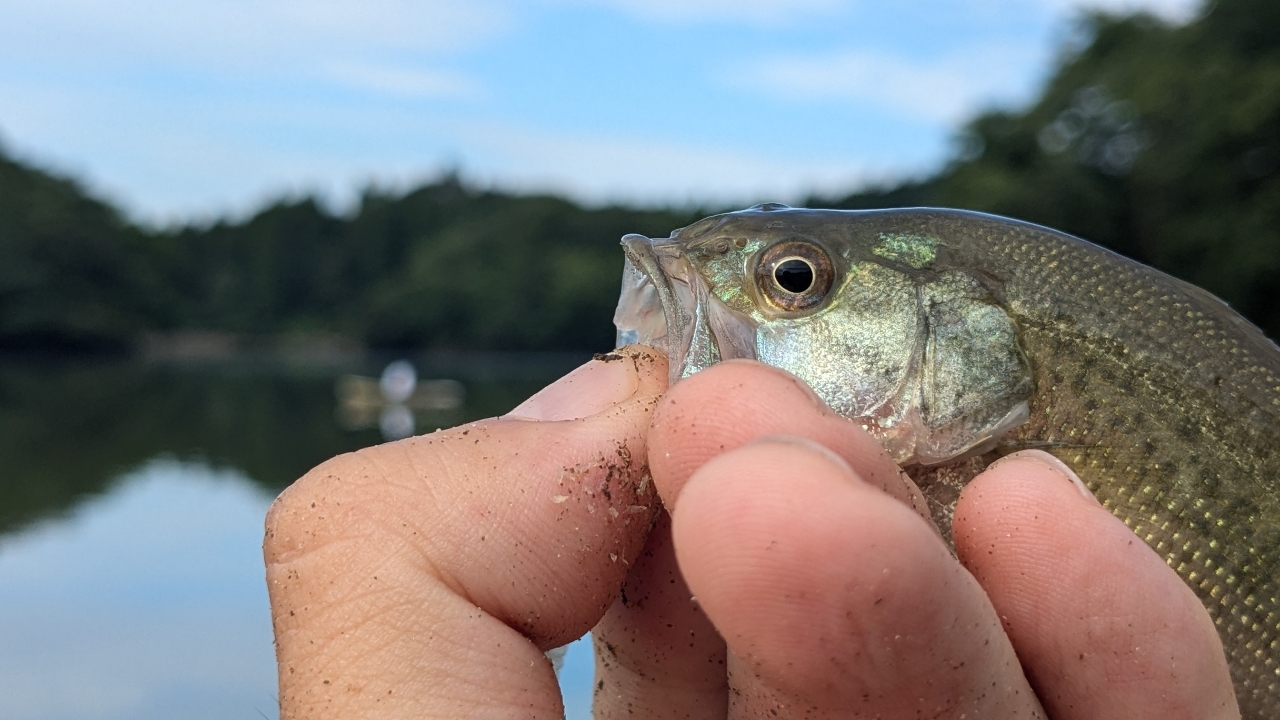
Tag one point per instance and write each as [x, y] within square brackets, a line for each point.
[794, 275]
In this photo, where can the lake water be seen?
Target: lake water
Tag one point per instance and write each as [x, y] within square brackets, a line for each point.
[131, 506]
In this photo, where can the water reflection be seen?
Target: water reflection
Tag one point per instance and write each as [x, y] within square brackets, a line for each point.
[67, 429]
[131, 509]
[149, 603]
[144, 603]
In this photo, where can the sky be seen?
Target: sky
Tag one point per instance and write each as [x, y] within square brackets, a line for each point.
[186, 111]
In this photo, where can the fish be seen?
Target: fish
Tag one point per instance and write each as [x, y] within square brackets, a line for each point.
[954, 337]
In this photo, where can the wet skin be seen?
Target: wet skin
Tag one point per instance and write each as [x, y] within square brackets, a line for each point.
[425, 578]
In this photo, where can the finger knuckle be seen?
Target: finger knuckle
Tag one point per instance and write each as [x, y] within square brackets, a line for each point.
[301, 518]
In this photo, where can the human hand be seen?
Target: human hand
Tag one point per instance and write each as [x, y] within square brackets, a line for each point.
[426, 577]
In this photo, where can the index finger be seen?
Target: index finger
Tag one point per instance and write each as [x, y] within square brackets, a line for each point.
[657, 653]
[738, 401]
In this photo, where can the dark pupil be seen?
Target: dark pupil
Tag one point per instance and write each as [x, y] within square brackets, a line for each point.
[794, 275]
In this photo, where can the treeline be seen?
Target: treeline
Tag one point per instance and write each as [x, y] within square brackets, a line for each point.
[444, 266]
[1159, 141]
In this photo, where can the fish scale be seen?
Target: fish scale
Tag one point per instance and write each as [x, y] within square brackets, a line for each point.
[1162, 399]
[1175, 404]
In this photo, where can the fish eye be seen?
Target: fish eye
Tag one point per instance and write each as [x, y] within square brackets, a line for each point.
[794, 275]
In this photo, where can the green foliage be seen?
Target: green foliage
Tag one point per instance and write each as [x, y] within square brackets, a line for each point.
[444, 266]
[518, 273]
[283, 266]
[73, 275]
[1159, 141]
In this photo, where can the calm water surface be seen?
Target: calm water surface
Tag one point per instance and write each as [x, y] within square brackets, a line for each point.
[131, 506]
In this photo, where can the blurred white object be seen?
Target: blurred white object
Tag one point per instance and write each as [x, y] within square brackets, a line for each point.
[390, 401]
[398, 381]
[396, 422]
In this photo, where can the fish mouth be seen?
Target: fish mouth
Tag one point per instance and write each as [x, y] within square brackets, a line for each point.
[665, 304]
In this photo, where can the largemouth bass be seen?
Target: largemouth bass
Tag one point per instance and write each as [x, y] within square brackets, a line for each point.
[954, 336]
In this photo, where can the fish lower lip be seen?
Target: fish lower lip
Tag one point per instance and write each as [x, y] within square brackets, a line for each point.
[665, 304]
[649, 306]
[639, 316]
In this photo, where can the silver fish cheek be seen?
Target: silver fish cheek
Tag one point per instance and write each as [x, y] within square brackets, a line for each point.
[932, 369]
[856, 353]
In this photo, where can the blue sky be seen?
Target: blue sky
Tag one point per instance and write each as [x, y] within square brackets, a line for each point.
[198, 108]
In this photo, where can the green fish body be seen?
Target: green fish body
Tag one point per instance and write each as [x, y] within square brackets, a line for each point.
[954, 336]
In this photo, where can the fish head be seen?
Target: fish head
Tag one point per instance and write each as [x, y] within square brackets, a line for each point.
[882, 323]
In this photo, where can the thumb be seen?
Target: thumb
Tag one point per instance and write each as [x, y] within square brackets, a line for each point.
[427, 576]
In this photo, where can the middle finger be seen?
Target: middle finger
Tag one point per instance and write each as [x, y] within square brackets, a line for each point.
[834, 598]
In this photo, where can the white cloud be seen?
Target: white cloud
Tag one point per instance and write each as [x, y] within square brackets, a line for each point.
[943, 90]
[784, 11]
[168, 161]
[203, 106]
[243, 35]
[1178, 10]
[405, 81]
[600, 169]
[747, 11]
[166, 165]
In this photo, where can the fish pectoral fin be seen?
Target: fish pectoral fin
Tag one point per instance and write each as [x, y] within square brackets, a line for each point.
[967, 436]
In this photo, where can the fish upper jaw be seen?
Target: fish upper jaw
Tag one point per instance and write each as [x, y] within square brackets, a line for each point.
[665, 303]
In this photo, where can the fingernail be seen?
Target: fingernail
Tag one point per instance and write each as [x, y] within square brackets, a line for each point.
[596, 386]
[1054, 463]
